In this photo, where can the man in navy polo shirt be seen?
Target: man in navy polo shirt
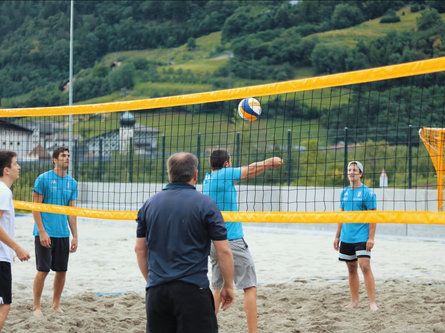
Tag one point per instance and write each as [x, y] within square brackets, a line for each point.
[174, 231]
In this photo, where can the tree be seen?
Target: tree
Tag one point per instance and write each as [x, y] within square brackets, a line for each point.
[191, 44]
[390, 17]
[122, 77]
[328, 60]
[428, 19]
[346, 15]
[439, 5]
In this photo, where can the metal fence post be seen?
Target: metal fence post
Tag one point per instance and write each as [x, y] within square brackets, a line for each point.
[289, 156]
[163, 160]
[345, 162]
[99, 172]
[198, 155]
[130, 171]
[237, 148]
[410, 157]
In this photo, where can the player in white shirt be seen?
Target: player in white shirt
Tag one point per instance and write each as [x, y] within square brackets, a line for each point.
[9, 172]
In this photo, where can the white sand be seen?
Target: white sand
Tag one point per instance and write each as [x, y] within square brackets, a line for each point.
[302, 286]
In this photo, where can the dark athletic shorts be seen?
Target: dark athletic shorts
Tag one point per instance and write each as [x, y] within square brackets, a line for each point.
[55, 257]
[352, 251]
[180, 307]
[5, 283]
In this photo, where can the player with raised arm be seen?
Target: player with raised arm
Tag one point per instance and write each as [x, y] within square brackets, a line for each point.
[220, 185]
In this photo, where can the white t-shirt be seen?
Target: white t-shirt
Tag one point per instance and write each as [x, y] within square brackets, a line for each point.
[6, 221]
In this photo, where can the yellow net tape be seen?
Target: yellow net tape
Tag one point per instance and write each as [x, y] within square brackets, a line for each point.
[410, 217]
[319, 82]
[327, 81]
[433, 139]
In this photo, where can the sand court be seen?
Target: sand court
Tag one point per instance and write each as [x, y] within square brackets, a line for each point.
[302, 286]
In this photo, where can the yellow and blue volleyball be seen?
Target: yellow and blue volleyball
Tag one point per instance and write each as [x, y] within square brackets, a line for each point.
[249, 109]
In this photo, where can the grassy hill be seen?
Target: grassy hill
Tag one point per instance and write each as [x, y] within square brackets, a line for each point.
[210, 56]
[369, 30]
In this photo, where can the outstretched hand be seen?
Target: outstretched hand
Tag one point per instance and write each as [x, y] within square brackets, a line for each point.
[276, 162]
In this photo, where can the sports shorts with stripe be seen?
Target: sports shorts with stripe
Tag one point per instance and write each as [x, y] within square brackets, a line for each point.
[352, 251]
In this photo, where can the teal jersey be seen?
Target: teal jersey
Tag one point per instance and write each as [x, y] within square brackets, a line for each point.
[220, 186]
[56, 190]
[361, 198]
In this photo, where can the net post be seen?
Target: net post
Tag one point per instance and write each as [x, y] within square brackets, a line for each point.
[345, 162]
[289, 153]
[440, 170]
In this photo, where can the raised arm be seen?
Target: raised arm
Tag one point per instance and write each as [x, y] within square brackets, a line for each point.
[257, 168]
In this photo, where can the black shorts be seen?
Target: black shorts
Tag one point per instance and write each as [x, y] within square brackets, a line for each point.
[180, 307]
[55, 257]
[5, 283]
[352, 251]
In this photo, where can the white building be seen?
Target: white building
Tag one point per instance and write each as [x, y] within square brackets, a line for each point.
[17, 138]
[145, 139]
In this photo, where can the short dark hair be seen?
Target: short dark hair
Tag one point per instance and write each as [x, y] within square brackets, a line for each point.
[218, 157]
[6, 157]
[181, 167]
[58, 150]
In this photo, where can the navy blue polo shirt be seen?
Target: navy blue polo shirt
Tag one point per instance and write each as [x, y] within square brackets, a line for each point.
[179, 223]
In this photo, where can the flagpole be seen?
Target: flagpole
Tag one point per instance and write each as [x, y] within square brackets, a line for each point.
[70, 91]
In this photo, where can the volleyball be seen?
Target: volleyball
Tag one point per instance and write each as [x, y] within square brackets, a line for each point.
[249, 109]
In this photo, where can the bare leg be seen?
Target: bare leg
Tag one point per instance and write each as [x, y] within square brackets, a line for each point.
[59, 283]
[39, 282]
[353, 283]
[250, 308]
[365, 266]
[4, 310]
[217, 299]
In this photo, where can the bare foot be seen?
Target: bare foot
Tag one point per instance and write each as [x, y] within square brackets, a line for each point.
[373, 307]
[37, 313]
[351, 305]
[58, 309]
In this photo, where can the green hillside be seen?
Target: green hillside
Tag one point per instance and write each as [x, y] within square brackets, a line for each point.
[204, 60]
[370, 30]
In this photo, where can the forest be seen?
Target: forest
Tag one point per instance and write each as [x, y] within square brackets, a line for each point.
[266, 41]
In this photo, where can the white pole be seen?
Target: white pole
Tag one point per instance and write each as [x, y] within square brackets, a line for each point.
[70, 91]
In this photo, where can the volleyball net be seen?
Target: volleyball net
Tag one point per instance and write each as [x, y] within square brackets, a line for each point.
[119, 150]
